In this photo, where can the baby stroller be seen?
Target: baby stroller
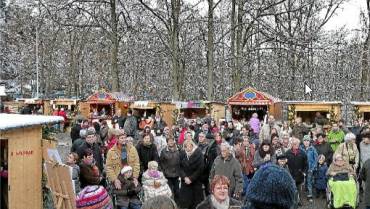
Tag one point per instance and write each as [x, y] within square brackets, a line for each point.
[342, 192]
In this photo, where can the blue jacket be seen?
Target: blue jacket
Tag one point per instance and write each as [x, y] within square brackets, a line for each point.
[320, 177]
[312, 157]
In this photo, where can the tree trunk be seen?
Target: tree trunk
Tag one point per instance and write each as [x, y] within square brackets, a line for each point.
[239, 47]
[210, 51]
[233, 70]
[114, 48]
[175, 48]
[365, 59]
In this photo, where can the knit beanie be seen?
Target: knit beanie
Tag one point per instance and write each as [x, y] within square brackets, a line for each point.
[93, 197]
[272, 187]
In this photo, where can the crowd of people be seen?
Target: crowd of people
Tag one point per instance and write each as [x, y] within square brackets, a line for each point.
[206, 164]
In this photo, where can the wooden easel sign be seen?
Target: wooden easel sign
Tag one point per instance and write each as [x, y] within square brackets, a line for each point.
[60, 182]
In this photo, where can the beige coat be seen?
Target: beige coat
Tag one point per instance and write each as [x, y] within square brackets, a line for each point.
[113, 163]
[348, 151]
[346, 168]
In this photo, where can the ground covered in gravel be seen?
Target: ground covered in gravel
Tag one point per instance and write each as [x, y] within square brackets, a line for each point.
[65, 143]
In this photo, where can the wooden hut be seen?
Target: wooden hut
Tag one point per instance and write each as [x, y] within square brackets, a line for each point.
[69, 105]
[104, 104]
[145, 109]
[37, 105]
[307, 110]
[21, 151]
[361, 110]
[244, 103]
[199, 109]
[13, 106]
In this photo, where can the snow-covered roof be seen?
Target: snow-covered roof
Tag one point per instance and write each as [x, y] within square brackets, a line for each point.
[361, 103]
[11, 121]
[313, 102]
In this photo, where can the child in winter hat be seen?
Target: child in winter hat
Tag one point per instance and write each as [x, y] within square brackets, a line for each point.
[93, 197]
[271, 187]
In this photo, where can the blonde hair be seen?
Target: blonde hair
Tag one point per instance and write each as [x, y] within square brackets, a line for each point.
[189, 142]
[153, 165]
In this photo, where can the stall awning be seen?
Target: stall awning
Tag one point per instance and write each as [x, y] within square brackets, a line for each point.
[144, 105]
[191, 105]
[251, 96]
[103, 102]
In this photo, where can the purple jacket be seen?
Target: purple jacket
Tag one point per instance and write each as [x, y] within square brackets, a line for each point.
[255, 124]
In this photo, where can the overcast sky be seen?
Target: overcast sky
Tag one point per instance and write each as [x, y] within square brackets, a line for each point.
[348, 15]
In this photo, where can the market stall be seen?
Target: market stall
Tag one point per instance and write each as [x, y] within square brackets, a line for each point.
[308, 110]
[361, 110]
[244, 103]
[103, 105]
[199, 109]
[21, 156]
[37, 105]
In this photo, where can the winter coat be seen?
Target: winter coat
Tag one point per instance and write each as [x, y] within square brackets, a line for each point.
[76, 177]
[96, 151]
[146, 154]
[130, 125]
[211, 153]
[122, 197]
[297, 164]
[114, 165]
[365, 152]
[191, 167]
[258, 161]
[349, 152]
[75, 132]
[325, 149]
[149, 179]
[320, 177]
[207, 204]
[104, 133]
[255, 125]
[299, 130]
[245, 159]
[64, 115]
[312, 157]
[365, 176]
[346, 168]
[335, 138]
[170, 162]
[203, 148]
[90, 175]
[229, 167]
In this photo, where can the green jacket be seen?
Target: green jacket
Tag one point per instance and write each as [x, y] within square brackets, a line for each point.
[335, 138]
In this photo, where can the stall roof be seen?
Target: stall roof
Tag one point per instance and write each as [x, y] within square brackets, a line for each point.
[110, 97]
[191, 104]
[11, 121]
[314, 102]
[361, 103]
[251, 96]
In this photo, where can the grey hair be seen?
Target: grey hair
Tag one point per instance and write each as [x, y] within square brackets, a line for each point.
[227, 145]
[161, 201]
[349, 136]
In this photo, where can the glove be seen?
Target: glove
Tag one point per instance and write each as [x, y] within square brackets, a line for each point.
[131, 192]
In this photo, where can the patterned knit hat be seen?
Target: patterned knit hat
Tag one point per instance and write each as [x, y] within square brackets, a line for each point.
[94, 197]
[272, 187]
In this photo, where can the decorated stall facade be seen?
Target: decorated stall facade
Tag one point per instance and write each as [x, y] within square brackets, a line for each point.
[307, 110]
[361, 110]
[104, 105]
[244, 103]
[21, 154]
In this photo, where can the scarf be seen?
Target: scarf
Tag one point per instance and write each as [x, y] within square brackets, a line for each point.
[295, 151]
[220, 205]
